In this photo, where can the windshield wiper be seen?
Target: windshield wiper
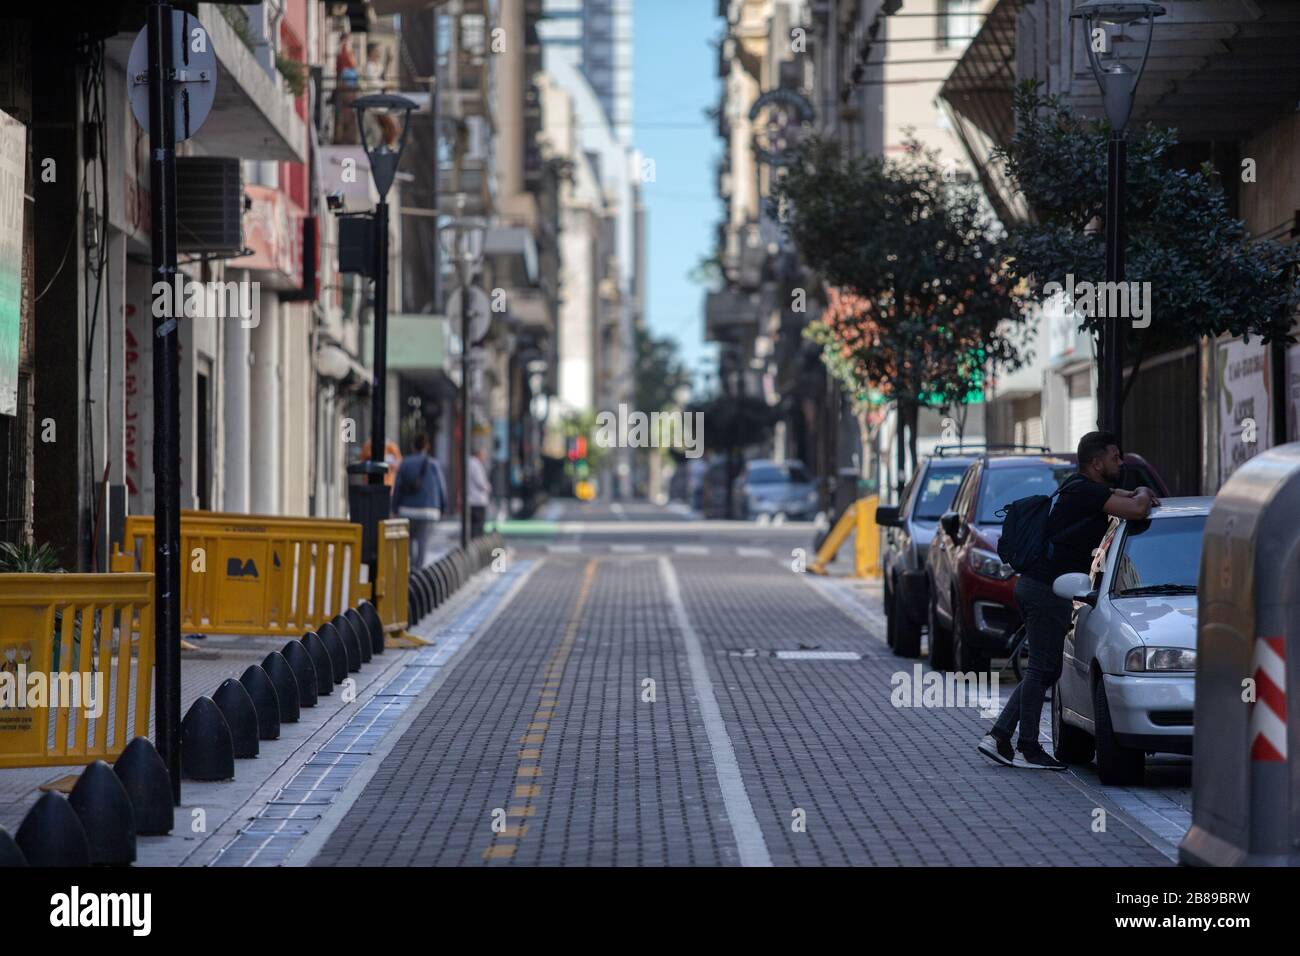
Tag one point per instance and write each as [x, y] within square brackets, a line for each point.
[1159, 589]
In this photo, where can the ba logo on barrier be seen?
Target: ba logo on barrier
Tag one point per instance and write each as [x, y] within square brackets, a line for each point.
[240, 569]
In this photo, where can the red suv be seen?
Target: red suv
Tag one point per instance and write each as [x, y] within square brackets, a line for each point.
[972, 610]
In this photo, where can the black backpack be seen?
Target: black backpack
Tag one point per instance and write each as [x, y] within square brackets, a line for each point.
[1025, 542]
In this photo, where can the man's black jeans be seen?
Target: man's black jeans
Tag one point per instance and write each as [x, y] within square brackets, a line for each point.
[1047, 621]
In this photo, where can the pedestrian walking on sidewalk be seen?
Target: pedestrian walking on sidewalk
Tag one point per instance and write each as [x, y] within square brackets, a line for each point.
[1075, 525]
[480, 492]
[420, 494]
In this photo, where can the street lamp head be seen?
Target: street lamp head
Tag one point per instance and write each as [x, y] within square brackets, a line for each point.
[461, 241]
[386, 154]
[1104, 24]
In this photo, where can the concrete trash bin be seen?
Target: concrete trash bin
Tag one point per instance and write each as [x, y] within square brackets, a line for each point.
[1245, 771]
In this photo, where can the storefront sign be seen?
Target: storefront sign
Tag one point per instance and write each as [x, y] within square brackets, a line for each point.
[1245, 421]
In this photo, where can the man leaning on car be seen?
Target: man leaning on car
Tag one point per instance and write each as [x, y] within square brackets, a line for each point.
[1080, 511]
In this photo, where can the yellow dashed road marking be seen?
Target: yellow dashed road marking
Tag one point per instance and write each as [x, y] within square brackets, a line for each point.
[547, 700]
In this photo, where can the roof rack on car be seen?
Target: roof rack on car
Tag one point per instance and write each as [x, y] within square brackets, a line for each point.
[964, 448]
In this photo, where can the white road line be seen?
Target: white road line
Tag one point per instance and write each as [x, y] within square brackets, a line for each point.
[740, 812]
[618, 510]
[754, 552]
[562, 548]
[627, 548]
[690, 549]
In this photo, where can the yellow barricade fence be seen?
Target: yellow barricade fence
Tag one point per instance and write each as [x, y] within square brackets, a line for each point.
[393, 573]
[255, 574]
[66, 652]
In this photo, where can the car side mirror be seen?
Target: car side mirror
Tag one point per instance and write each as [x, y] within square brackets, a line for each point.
[887, 516]
[951, 523]
[1075, 586]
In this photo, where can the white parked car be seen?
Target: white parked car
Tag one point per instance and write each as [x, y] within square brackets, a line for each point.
[1128, 680]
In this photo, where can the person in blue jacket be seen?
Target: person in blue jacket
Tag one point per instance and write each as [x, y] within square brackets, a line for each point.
[420, 494]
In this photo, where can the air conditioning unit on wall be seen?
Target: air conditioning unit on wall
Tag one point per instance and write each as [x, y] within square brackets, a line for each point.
[209, 206]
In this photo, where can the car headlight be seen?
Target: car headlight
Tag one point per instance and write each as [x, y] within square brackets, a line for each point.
[989, 565]
[1160, 659]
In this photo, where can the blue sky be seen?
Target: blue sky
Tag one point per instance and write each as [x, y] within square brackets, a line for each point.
[674, 69]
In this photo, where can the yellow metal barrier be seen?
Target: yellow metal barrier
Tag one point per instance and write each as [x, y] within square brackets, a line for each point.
[66, 643]
[859, 520]
[255, 574]
[392, 574]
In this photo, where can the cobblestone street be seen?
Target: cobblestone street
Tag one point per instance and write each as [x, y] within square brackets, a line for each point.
[665, 706]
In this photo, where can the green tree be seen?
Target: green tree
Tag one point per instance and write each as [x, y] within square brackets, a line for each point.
[659, 371]
[1207, 275]
[920, 304]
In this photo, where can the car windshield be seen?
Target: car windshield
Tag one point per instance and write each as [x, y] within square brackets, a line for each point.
[935, 496]
[776, 474]
[1005, 485]
[1160, 557]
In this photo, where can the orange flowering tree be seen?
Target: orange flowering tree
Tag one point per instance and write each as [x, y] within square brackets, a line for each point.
[920, 305]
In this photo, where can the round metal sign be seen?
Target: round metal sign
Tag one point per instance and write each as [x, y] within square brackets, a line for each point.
[193, 75]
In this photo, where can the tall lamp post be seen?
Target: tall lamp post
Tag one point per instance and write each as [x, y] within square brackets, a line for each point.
[462, 243]
[1104, 24]
[370, 505]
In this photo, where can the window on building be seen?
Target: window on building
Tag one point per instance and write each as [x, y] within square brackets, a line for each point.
[959, 20]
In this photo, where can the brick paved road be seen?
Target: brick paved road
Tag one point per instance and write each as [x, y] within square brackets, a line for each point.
[545, 723]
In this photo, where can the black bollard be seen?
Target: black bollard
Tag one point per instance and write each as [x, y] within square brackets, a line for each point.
[207, 750]
[10, 854]
[147, 783]
[104, 807]
[351, 645]
[353, 617]
[321, 661]
[287, 691]
[329, 634]
[241, 716]
[52, 835]
[266, 701]
[370, 615]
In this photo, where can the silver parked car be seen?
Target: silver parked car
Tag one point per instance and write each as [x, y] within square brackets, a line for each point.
[1129, 675]
[768, 488]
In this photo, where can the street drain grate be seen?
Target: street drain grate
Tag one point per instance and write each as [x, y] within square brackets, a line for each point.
[800, 655]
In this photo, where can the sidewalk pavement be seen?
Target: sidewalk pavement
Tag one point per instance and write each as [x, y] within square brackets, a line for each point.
[212, 814]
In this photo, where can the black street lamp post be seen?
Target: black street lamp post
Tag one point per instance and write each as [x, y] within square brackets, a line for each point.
[1104, 22]
[369, 507]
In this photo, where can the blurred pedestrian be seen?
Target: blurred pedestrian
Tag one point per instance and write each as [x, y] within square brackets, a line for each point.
[420, 495]
[480, 492]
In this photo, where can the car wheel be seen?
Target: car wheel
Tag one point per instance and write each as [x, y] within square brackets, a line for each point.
[1070, 744]
[1116, 764]
[965, 658]
[940, 643]
[905, 640]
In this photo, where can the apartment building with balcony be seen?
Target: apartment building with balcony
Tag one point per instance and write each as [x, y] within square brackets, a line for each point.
[1224, 75]
[77, 452]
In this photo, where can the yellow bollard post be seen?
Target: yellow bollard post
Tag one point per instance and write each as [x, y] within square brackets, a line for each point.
[866, 544]
[839, 534]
